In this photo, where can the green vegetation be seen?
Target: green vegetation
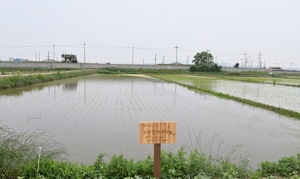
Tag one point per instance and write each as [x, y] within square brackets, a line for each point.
[173, 165]
[112, 70]
[211, 67]
[204, 63]
[287, 81]
[20, 80]
[18, 150]
[288, 167]
[36, 155]
[8, 71]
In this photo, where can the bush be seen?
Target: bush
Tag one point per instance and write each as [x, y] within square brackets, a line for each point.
[112, 70]
[173, 165]
[285, 167]
[212, 67]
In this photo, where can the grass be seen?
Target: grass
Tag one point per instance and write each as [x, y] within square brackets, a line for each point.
[287, 81]
[18, 150]
[32, 70]
[173, 165]
[178, 165]
[112, 70]
[20, 158]
[20, 80]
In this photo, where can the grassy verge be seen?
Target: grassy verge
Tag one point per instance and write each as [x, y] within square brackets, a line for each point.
[12, 71]
[24, 149]
[179, 165]
[286, 81]
[278, 110]
[36, 156]
[112, 70]
[20, 80]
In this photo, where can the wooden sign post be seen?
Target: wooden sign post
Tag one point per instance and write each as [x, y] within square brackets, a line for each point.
[157, 133]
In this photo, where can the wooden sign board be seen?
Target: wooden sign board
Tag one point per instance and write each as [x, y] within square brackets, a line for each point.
[157, 132]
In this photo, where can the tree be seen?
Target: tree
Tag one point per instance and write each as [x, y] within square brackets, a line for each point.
[236, 65]
[204, 63]
[203, 58]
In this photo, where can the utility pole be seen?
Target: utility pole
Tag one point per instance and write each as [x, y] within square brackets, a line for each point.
[53, 52]
[155, 59]
[35, 56]
[250, 61]
[245, 58]
[207, 57]
[84, 51]
[163, 59]
[176, 53]
[259, 60]
[48, 56]
[291, 66]
[132, 54]
[187, 60]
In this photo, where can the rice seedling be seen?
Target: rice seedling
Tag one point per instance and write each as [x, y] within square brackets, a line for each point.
[20, 149]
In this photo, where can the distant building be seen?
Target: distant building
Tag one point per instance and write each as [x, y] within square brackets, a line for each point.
[18, 60]
[21, 60]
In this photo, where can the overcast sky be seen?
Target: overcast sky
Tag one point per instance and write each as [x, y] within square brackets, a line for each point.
[111, 28]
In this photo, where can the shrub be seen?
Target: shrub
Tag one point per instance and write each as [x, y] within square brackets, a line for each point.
[211, 67]
[284, 167]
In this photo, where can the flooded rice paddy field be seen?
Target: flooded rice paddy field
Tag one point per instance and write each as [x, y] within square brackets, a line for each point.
[286, 97]
[101, 113]
[289, 80]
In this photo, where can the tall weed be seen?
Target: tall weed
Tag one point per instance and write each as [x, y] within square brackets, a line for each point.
[20, 149]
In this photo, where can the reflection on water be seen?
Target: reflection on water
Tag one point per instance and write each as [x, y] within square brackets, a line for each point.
[101, 114]
[69, 86]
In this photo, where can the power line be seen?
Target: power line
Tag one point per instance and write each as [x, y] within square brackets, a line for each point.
[132, 54]
[84, 51]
